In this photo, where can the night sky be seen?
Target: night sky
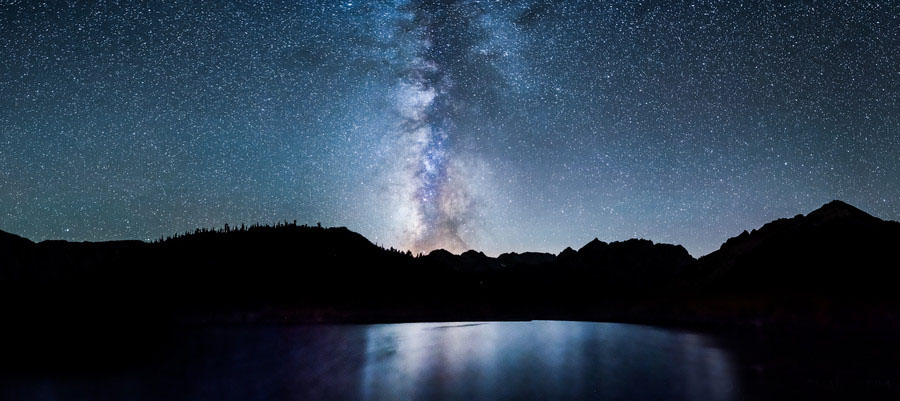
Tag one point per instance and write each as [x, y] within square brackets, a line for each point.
[494, 125]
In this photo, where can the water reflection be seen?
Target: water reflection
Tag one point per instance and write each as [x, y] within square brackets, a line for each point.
[542, 360]
[444, 361]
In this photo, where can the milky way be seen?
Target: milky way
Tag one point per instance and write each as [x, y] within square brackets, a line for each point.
[493, 125]
[433, 201]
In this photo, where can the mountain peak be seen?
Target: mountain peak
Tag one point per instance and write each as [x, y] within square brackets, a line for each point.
[441, 252]
[594, 245]
[837, 209]
[471, 253]
[832, 216]
[566, 253]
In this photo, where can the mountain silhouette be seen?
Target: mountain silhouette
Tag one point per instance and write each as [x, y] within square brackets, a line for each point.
[525, 258]
[837, 255]
[836, 248]
[628, 265]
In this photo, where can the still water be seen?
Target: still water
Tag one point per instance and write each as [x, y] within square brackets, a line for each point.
[541, 360]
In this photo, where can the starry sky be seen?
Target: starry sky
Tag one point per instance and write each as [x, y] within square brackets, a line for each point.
[494, 125]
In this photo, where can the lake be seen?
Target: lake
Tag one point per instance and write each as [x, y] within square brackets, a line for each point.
[540, 360]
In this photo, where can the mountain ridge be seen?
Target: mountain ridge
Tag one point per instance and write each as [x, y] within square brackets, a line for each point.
[836, 252]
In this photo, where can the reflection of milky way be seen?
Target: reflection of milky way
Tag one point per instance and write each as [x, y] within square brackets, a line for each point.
[434, 204]
[433, 361]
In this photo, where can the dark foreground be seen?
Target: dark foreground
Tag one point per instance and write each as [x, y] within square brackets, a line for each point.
[803, 307]
[468, 361]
